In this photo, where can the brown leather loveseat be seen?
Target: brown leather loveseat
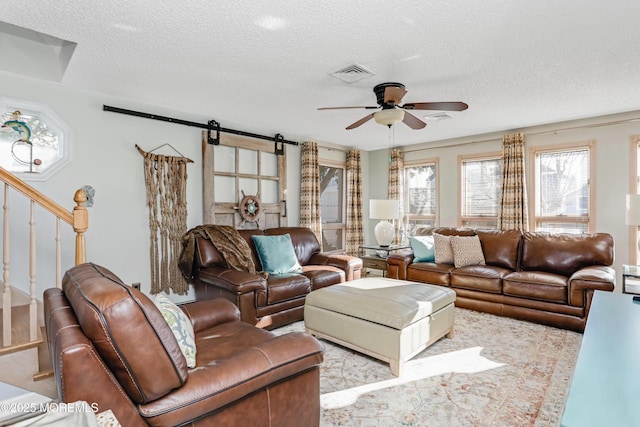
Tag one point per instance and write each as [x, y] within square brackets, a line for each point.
[111, 347]
[535, 276]
[278, 299]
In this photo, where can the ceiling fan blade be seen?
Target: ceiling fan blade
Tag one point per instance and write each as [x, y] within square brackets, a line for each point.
[412, 121]
[367, 107]
[363, 120]
[444, 106]
[393, 95]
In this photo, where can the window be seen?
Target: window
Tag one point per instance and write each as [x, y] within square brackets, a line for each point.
[243, 168]
[634, 189]
[332, 206]
[562, 191]
[421, 195]
[47, 149]
[480, 179]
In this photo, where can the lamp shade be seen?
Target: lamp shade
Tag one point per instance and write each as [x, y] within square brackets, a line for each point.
[383, 209]
[389, 117]
[633, 209]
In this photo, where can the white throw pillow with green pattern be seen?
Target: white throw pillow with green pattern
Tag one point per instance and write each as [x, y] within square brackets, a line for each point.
[180, 326]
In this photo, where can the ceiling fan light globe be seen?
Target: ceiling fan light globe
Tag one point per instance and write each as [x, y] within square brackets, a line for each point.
[389, 116]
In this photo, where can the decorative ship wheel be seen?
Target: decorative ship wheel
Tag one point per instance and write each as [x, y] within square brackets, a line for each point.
[249, 208]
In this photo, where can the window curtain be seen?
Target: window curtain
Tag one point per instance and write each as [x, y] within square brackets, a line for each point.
[310, 190]
[354, 234]
[395, 191]
[513, 203]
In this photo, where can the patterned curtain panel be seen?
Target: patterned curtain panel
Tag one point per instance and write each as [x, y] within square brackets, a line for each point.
[310, 190]
[513, 204]
[396, 191]
[354, 233]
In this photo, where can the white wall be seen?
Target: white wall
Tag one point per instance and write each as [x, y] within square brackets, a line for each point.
[104, 156]
[612, 135]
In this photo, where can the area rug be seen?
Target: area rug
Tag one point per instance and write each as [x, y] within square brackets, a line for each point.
[495, 371]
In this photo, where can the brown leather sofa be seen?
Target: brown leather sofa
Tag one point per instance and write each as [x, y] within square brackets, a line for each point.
[111, 347]
[278, 299]
[539, 277]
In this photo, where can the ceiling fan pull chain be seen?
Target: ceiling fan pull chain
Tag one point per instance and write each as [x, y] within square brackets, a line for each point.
[391, 141]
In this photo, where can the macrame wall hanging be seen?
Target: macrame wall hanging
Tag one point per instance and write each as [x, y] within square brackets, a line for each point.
[166, 182]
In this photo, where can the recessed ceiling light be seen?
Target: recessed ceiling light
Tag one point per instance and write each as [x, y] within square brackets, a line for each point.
[272, 23]
[437, 116]
[126, 27]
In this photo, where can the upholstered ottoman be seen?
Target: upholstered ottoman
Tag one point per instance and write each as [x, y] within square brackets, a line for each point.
[391, 320]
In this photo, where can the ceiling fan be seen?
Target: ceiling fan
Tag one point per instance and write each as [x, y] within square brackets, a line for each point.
[391, 112]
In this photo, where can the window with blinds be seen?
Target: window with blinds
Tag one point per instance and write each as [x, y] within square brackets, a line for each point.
[420, 195]
[480, 179]
[563, 194]
[634, 249]
[332, 205]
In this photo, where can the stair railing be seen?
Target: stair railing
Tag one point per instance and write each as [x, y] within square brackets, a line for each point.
[76, 218]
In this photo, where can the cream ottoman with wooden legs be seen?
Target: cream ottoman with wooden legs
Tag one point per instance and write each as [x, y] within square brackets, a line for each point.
[391, 320]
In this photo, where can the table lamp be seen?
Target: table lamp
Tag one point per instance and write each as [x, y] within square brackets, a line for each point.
[633, 211]
[384, 210]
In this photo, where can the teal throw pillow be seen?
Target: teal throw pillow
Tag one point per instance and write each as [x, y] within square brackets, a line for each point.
[276, 254]
[423, 248]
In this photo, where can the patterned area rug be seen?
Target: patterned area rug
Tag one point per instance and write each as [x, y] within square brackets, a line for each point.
[495, 371]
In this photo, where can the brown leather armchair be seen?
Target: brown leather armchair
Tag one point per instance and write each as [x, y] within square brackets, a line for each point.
[111, 347]
[278, 299]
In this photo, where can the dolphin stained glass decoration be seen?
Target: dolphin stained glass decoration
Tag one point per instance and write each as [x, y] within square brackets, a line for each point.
[24, 132]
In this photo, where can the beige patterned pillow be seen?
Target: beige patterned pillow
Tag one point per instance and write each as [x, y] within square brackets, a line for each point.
[467, 250]
[443, 252]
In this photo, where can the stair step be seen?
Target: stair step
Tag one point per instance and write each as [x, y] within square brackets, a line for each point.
[19, 331]
[45, 367]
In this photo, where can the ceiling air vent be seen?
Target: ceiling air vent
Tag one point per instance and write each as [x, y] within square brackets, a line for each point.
[353, 73]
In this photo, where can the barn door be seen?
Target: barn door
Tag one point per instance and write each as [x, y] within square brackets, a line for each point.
[244, 183]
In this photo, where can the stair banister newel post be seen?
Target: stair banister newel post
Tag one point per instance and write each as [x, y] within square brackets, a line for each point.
[80, 225]
[58, 256]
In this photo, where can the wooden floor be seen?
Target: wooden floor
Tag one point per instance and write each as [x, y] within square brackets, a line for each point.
[18, 370]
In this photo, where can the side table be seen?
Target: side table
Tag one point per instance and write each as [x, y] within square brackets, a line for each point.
[631, 279]
[375, 256]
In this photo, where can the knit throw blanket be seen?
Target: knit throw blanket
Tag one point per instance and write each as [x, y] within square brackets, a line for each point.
[226, 239]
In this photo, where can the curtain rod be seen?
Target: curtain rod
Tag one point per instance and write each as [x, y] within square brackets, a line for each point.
[211, 126]
[542, 132]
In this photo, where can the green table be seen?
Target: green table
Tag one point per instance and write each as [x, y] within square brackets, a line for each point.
[605, 389]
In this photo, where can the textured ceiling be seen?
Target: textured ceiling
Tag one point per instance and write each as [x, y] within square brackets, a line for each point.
[265, 67]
